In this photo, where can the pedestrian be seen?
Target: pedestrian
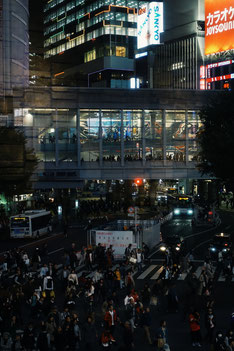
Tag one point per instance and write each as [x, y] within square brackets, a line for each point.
[129, 281]
[43, 339]
[162, 335]
[48, 285]
[110, 319]
[29, 337]
[128, 337]
[128, 251]
[210, 325]
[195, 329]
[131, 313]
[139, 260]
[59, 341]
[172, 299]
[6, 342]
[146, 320]
[107, 340]
[90, 335]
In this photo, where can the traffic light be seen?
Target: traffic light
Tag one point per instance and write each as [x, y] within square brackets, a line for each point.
[138, 181]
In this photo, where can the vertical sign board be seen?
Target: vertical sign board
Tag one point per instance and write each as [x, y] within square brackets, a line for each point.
[149, 24]
[219, 26]
[118, 239]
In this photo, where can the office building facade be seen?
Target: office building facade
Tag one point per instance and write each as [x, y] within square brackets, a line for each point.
[91, 43]
[14, 45]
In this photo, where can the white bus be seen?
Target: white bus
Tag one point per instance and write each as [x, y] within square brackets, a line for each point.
[31, 224]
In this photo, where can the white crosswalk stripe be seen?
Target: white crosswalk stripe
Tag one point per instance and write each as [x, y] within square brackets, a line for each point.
[180, 277]
[198, 271]
[157, 274]
[147, 271]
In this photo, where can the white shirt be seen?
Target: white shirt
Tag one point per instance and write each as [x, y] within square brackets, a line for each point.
[112, 317]
[139, 257]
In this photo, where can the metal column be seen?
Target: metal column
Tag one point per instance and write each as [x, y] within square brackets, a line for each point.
[78, 145]
[143, 137]
[122, 139]
[100, 139]
[56, 140]
[164, 141]
[186, 139]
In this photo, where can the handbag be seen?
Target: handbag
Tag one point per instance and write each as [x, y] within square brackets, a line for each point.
[132, 260]
[161, 343]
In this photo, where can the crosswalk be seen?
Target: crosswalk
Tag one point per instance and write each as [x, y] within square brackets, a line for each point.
[153, 271]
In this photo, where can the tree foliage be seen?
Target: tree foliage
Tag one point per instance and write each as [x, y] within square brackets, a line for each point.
[216, 138]
[17, 162]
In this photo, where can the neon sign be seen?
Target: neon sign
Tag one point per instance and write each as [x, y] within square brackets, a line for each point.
[150, 24]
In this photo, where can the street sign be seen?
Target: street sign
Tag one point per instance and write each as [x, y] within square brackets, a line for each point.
[131, 210]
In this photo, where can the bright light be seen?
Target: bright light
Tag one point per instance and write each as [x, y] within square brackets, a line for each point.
[213, 249]
[177, 248]
[221, 234]
[163, 248]
[190, 212]
[224, 250]
[176, 211]
[60, 210]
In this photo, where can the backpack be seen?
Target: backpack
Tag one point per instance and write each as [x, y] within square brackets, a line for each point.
[49, 283]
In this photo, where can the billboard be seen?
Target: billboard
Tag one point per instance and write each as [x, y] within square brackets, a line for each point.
[118, 239]
[219, 26]
[149, 24]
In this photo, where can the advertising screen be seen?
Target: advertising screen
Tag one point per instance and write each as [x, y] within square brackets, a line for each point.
[149, 24]
[219, 26]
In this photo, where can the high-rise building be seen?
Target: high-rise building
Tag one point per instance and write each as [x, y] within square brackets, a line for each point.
[14, 45]
[39, 68]
[91, 43]
[175, 63]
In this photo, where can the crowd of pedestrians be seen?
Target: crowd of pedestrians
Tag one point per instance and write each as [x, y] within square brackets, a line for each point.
[59, 306]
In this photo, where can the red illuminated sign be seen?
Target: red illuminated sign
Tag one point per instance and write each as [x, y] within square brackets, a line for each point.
[219, 26]
[217, 79]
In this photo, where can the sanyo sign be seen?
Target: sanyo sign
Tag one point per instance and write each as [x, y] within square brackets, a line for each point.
[150, 24]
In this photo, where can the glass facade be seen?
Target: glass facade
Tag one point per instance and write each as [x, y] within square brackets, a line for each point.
[111, 136]
[70, 24]
[175, 135]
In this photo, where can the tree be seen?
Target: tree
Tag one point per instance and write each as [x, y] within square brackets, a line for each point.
[216, 138]
[17, 162]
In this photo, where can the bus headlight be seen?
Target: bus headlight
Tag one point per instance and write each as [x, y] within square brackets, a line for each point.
[190, 212]
[176, 211]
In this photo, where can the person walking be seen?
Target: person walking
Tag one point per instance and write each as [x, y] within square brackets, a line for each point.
[139, 258]
[162, 336]
[146, 321]
[110, 319]
[129, 282]
[195, 329]
[210, 325]
[128, 337]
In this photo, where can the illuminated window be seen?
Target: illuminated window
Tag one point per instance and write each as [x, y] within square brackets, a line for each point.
[90, 55]
[120, 51]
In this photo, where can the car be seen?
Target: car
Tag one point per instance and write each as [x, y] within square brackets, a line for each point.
[221, 243]
[174, 243]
